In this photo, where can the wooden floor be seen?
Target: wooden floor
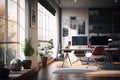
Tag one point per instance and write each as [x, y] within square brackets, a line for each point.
[47, 74]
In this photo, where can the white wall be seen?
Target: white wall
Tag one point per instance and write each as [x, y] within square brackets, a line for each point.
[80, 14]
[33, 32]
[56, 33]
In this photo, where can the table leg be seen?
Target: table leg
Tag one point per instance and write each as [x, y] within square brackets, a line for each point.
[69, 59]
[66, 55]
[64, 59]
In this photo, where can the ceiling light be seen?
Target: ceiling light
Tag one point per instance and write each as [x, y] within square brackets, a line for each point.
[75, 0]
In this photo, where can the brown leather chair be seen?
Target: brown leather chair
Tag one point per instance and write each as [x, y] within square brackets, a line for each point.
[98, 56]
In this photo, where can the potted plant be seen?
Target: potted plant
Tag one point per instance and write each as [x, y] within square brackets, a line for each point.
[46, 52]
[4, 72]
[28, 51]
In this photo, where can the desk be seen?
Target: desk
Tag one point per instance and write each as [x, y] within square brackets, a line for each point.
[108, 50]
[87, 49]
[69, 50]
[81, 49]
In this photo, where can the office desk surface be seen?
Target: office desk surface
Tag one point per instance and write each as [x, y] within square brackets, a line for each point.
[87, 49]
[109, 50]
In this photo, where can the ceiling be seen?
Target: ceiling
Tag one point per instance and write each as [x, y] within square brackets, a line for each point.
[87, 3]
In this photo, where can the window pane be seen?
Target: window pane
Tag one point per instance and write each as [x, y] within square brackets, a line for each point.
[2, 20]
[12, 10]
[2, 8]
[2, 26]
[46, 26]
[21, 27]
[12, 31]
[22, 4]
[11, 53]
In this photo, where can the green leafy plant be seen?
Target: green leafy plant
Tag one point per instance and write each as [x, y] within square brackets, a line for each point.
[28, 49]
[46, 50]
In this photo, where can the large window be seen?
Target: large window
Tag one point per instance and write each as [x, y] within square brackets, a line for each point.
[47, 28]
[44, 26]
[2, 30]
[10, 28]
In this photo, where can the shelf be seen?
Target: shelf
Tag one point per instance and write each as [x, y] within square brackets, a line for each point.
[104, 20]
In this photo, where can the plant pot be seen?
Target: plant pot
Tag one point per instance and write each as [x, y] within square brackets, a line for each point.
[27, 64]
[44, 61]
[4, 73]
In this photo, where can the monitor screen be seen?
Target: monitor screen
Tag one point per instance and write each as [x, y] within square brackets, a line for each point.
[99, 40]
[79, 40]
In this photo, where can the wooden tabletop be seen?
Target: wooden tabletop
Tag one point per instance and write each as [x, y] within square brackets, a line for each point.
[87, 49]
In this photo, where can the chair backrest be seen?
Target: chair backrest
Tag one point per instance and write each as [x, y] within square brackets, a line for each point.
[99, 50]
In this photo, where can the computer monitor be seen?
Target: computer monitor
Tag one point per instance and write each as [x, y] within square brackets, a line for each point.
[79, 40]
[99, 40]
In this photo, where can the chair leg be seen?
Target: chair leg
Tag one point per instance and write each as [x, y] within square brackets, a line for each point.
[96, 64]
[87, 65]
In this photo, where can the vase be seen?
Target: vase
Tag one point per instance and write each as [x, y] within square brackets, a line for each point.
[27, 64]
[44, 61]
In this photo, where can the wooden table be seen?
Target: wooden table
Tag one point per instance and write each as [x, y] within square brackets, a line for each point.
[66, 51]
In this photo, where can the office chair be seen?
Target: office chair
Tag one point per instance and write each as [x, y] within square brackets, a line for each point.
[97, 55]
